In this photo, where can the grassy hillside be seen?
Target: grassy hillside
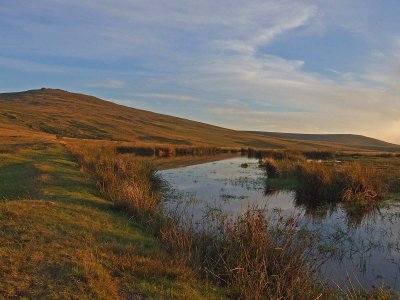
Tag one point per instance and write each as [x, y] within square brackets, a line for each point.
[349, 140]
[47, 113]
[60, 240]
[67, 114]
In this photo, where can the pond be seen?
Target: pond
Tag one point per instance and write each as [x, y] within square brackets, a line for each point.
[363, 245]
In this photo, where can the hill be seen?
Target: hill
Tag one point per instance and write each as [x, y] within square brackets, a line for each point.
[336, 140]
[50, 113]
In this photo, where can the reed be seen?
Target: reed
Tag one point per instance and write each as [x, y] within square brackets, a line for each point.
[131, 183]
[271, 167]
[170, 151]
[292, 155]
[360, 182]
[253, 256]
[351, 181]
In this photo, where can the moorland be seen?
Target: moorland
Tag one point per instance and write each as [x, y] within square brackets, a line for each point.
[81, 212]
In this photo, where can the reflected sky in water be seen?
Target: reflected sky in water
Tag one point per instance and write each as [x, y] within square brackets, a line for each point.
[363, 244]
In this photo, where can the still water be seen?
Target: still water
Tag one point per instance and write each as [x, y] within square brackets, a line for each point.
[361, 245]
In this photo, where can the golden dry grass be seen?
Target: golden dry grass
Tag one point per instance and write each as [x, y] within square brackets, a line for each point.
[59, 113]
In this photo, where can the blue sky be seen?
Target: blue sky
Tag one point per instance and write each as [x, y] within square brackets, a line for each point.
[294, 66]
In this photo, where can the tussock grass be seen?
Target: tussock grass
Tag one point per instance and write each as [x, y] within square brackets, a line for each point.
[280, 168]
[347, 182]
[131, 183]
[320, 154]
[172, 151]
[271, 168]
[361, 182]
[253, 256]
[322, 182]
[294, 155]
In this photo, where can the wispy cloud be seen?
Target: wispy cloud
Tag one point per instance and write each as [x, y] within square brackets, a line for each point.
[161, 96]
[108, 84]
[214, 59]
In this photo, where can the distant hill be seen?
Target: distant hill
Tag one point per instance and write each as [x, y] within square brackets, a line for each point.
[54, 112]
[349, 140]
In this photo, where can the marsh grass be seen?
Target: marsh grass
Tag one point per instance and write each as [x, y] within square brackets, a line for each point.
[173, 151]
[330, 182]
[348, 182]
[274, 154]
[362, 183]
[253, 256]
[357, 293]
[131, 183]
[271, 167]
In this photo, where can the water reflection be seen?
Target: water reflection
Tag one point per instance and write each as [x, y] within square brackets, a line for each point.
[354, 214]
[361, 242]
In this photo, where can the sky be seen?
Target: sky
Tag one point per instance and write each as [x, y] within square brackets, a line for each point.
[309, 66]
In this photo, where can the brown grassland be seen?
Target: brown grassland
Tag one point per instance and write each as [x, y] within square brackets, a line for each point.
[60, 113]
[81, 215]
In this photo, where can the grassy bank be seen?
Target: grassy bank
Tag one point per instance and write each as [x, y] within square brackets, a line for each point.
[60, 240]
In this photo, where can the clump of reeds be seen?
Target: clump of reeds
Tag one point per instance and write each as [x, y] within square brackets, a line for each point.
[271, 167]
[279, 168]
[361, 182]
[292, 155]
[171, 150]
[350, 181]
[255, 257]
[131, 183]
[315, 182]
[320, 154]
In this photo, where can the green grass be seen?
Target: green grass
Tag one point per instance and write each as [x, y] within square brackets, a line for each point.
[64, 241]
[13, 168]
